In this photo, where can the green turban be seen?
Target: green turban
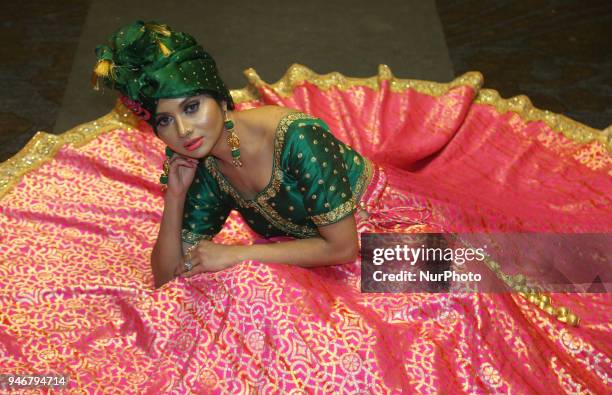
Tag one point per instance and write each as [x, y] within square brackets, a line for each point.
[146, 62]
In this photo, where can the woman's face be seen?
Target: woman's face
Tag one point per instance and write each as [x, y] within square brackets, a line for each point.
[194, 120]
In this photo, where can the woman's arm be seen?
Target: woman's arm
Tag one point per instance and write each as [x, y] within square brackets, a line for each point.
[168, 250]
[337, 244]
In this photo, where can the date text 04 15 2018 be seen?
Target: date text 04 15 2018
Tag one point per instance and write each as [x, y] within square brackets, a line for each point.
[33, 380]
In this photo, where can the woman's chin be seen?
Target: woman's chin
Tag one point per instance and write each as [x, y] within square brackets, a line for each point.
[198, 153]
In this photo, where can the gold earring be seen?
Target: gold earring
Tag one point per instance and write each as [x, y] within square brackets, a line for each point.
[233, 141]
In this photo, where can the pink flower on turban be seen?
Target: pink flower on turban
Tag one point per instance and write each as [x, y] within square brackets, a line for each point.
[136, 108]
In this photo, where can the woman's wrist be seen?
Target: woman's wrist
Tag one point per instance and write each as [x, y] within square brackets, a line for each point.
[240, 253]
[175, 197]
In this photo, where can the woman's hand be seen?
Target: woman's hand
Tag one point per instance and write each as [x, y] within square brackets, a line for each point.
[181, 173]
[207, 256]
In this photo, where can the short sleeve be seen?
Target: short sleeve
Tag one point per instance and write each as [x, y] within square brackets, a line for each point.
[321, 172]
[204, 212]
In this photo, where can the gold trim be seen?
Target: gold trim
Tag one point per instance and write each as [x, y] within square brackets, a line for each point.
[364, 178]
[43, 146]
[535, 296]
[519, 283]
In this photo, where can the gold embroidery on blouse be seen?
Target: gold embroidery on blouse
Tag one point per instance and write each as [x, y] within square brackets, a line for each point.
[273, 186]
[364, 178]
[260, 202]
[335, 214]
[193, 238]
[362, 182]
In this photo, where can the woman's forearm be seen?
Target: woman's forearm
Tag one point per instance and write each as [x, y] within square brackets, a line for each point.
[310, 252]
[168, 250]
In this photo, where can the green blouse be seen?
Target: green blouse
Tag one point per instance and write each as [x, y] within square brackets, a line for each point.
[316, 180]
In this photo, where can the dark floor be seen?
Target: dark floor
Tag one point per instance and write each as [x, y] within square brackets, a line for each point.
[558, 53]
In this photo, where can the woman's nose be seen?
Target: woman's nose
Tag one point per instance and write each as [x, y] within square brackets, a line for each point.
[183, 129]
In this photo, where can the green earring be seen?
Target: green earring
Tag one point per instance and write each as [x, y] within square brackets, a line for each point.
[163, 179]
[233, 141]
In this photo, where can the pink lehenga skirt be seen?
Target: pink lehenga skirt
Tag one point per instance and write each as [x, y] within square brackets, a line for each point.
[80, 214]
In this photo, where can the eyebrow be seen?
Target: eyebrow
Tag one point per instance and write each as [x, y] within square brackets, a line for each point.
[180, 105]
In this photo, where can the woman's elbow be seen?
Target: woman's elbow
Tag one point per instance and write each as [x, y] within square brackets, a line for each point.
[350, 253]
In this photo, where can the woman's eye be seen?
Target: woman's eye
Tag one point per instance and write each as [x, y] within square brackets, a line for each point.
[192, 107]
[163, 121]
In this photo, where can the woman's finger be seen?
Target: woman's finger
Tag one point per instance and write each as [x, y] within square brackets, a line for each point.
[196, 269]
[181, 162]
[176, 156]
[194, 263]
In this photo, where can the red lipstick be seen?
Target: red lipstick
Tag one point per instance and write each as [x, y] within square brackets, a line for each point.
[193, 144]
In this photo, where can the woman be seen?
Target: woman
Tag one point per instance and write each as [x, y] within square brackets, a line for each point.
[320, 204]
[242, 315]
[329, 238]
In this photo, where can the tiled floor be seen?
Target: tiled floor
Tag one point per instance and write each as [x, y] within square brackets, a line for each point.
[556, 52]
